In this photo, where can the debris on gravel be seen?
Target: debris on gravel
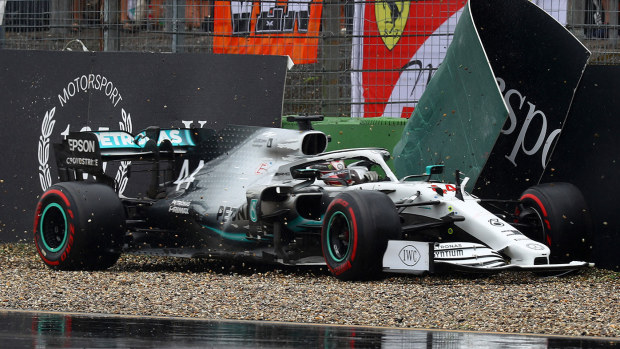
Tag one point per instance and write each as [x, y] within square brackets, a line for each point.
[584, 303]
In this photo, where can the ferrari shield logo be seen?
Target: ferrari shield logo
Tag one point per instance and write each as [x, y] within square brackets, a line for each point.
[391, 20]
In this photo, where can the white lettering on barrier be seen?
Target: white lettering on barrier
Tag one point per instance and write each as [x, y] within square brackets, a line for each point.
[188, 123]
[543, 137]
[84, 83]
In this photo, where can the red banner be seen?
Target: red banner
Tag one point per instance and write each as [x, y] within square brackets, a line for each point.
[269, 28]
[403, 42]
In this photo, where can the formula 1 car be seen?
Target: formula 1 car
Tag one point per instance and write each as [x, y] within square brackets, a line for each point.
[275, 195]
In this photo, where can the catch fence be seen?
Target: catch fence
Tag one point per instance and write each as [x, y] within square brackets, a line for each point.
[325, 45]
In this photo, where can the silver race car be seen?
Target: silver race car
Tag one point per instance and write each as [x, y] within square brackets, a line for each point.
[275, 195]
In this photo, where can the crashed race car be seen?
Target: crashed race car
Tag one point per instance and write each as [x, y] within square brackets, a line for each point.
[274, 195]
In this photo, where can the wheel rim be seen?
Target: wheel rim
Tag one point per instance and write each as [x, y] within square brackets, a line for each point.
[53, 227]
[338, 236]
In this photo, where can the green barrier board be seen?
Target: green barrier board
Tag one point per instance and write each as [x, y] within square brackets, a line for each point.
[348, 133]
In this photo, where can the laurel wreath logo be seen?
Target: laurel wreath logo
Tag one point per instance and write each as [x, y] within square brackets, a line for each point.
[44, 148]
[47, 127]
[121, 175]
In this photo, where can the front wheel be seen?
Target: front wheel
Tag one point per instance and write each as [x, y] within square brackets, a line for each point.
[79, 226]
[557, 215]
[355, 232]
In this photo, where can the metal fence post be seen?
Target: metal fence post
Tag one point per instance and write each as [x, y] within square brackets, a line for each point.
[111, 25]
[576, 18]
[331, 57]
[178, 25]
[612, 11]
[60, 16]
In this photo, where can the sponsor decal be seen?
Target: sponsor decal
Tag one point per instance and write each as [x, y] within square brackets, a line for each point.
[448, 246]
[449, 253]
[512, 232]
[108, 140]
[71, 161]
[516, 235]
[176, 137]
[447, 188]
[82, 145]
[535, 246]
[83, 152]
[180, 207]
[391, 20]
[227, 214]
[409, 255]
[496, 222]
[94, 83]
[263, 167]
[253, 210]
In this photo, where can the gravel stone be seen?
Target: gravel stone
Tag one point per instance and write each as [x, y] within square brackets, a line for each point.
[585, 303]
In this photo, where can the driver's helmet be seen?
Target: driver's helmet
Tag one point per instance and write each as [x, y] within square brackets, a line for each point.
[335, 173]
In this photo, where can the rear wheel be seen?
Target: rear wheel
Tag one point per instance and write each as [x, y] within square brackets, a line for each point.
[79, 226]
[557, 215]
[355, 232]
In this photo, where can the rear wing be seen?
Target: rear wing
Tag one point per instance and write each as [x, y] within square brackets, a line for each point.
[121, 145]
[86, 152]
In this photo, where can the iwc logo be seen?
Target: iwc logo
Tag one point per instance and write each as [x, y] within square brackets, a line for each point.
[391, 20]
[409, 255]
[82, 84]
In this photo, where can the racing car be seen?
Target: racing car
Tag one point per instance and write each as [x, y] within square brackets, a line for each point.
[275, 195]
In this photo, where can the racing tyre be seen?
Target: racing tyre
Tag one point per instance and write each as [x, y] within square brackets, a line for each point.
[355, 232]
[557, 215]
[79, 226]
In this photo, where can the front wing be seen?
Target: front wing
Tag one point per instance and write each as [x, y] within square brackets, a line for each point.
[415, 257]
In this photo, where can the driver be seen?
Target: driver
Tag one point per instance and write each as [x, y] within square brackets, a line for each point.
[336, 173]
